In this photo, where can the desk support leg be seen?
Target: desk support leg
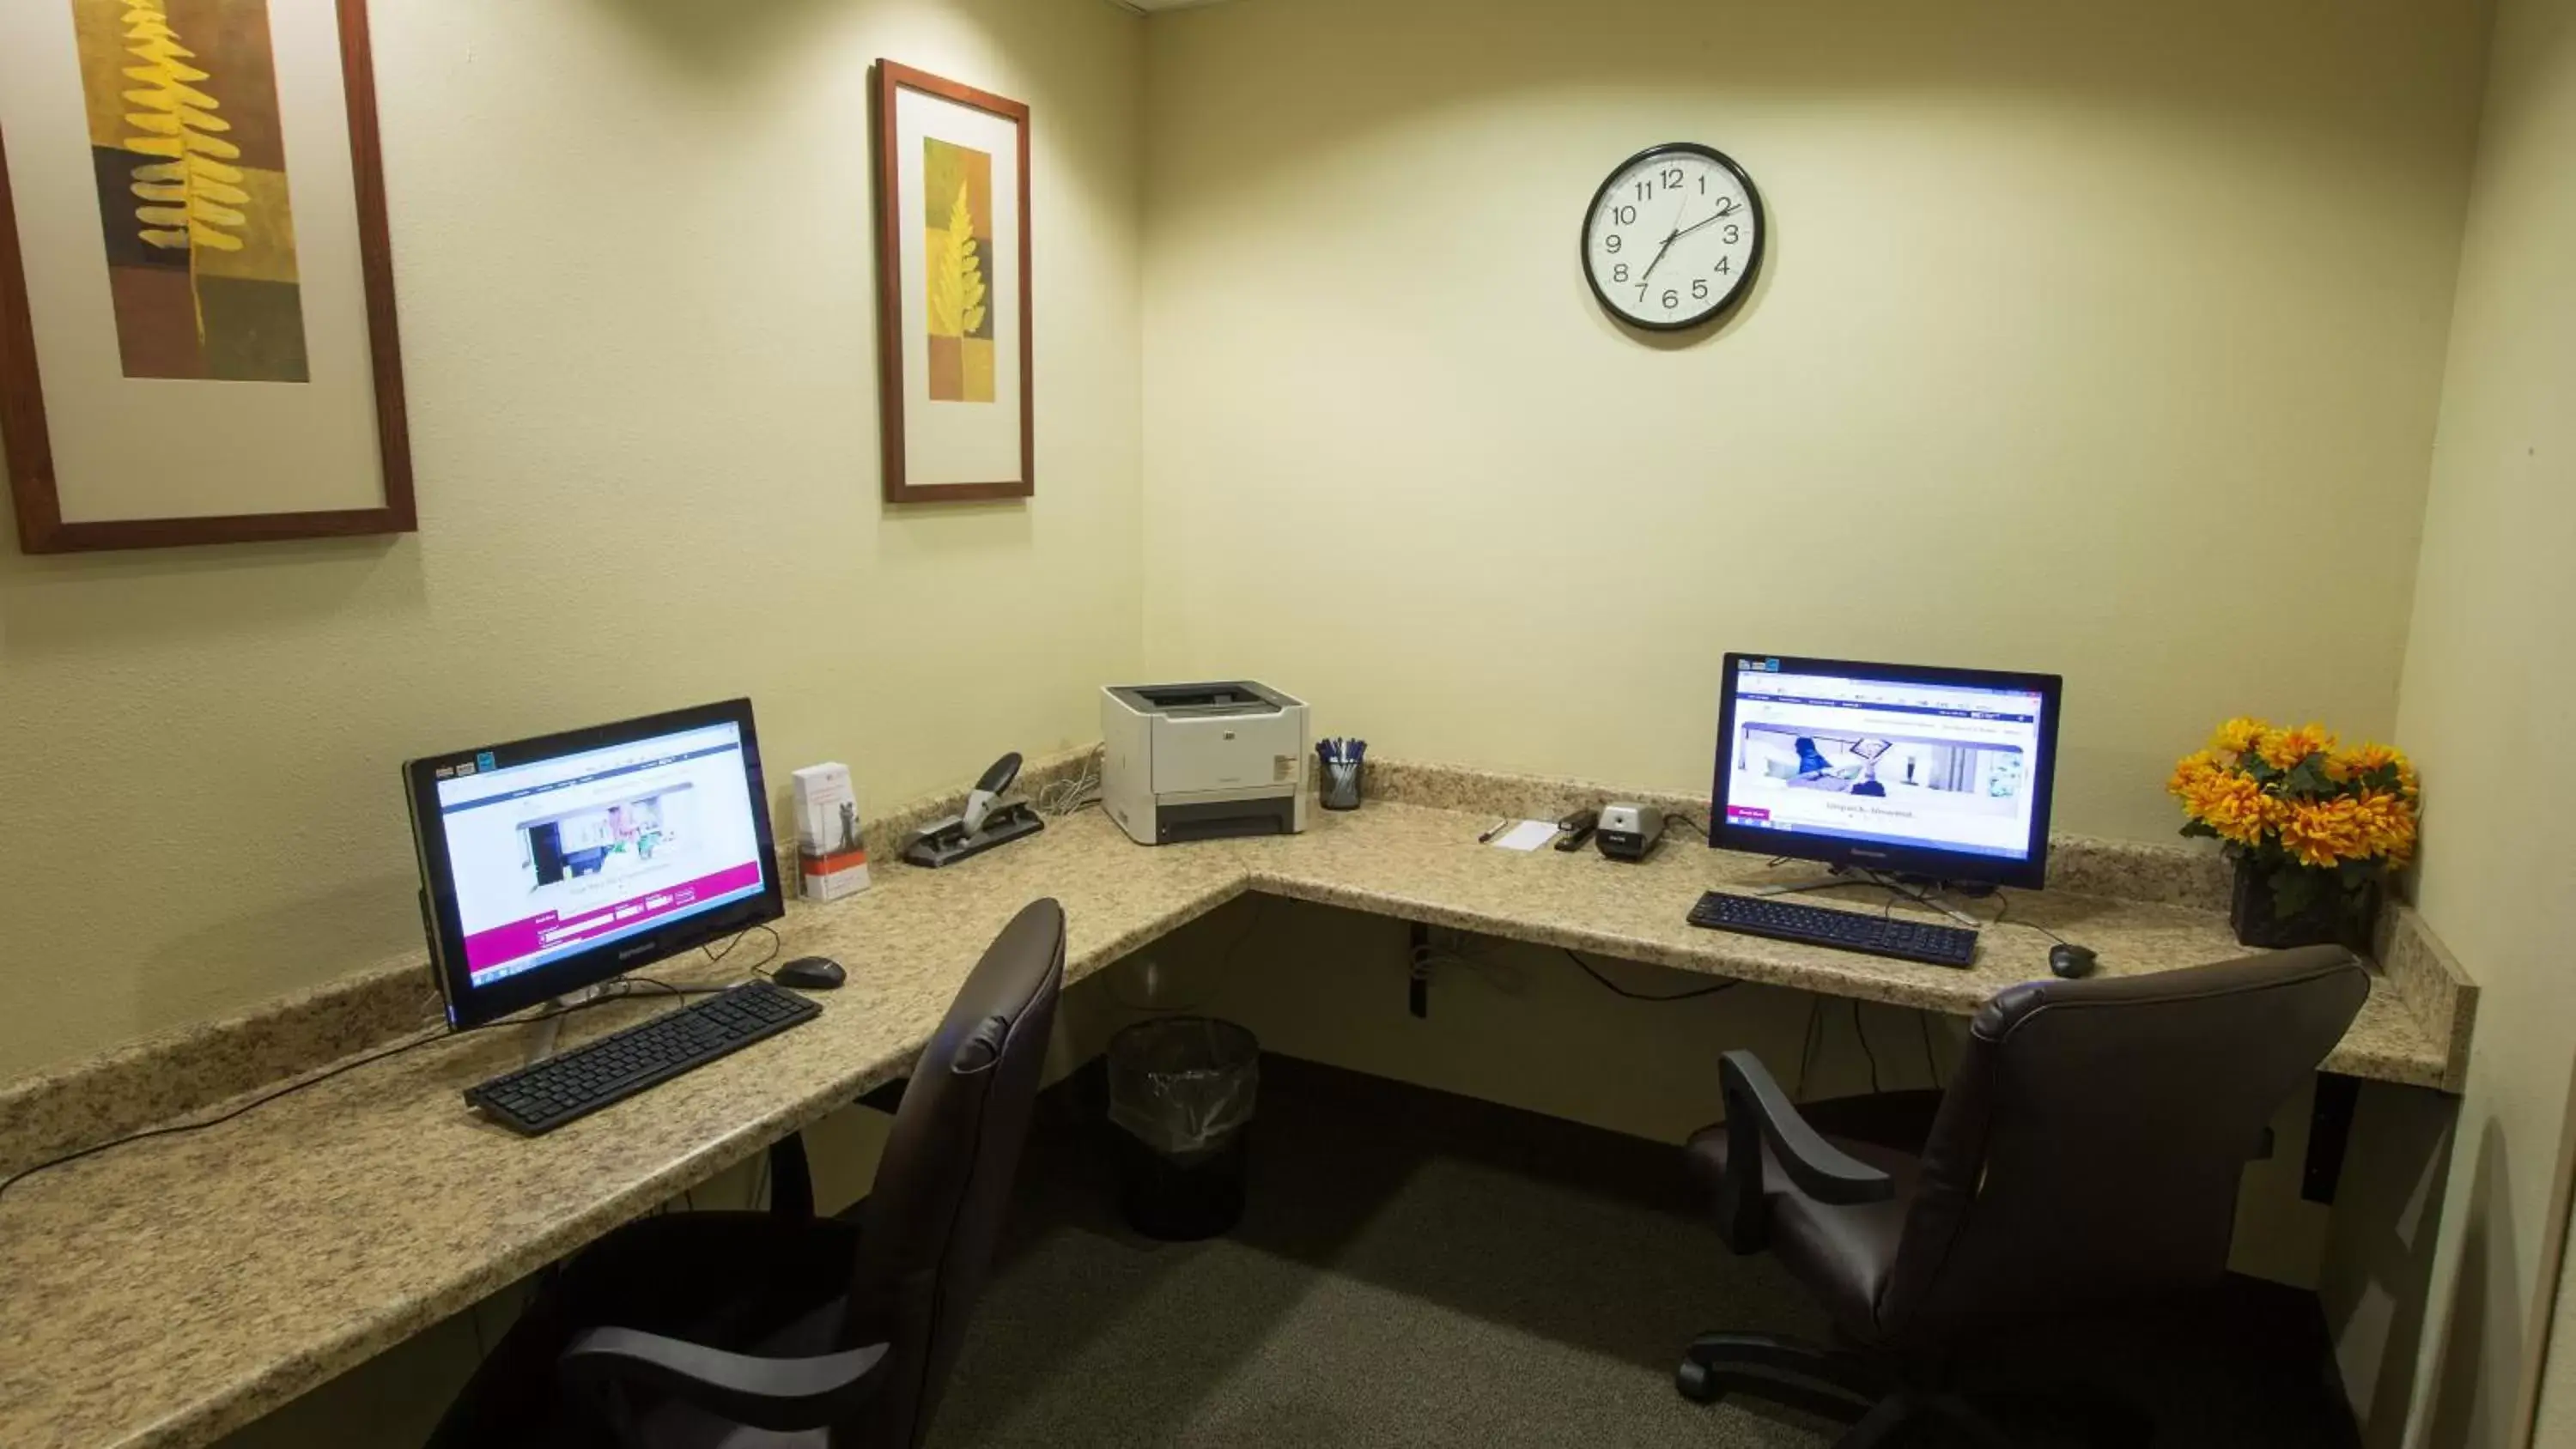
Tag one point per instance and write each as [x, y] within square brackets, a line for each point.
[2329, 1132]
[1417, 959]
[791, 1180]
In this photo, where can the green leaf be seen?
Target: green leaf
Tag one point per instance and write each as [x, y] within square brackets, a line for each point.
[2355, 874]
[2256, 766]
[2307, 778]
[2199, 830]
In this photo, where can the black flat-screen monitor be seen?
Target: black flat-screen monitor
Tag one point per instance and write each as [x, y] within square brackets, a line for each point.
[555, 863]
[1910, 769]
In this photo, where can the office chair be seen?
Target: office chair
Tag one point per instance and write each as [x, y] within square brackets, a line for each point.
[727, 1330]
[2085, 1156]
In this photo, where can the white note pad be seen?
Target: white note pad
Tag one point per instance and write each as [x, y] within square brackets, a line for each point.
[1528, 835]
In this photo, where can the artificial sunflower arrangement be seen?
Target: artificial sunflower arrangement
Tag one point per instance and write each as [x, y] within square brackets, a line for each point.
[2313, 826]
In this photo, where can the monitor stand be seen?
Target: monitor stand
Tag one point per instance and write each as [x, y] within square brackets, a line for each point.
[541, 1038]
[1846, 875]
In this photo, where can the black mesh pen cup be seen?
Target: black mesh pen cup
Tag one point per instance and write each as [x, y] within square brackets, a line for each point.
[1340, 784]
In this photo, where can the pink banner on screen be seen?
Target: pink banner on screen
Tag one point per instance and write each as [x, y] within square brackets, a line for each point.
[550, 931]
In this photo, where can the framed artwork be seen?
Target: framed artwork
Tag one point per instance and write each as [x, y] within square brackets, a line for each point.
[197, 338]
[953, 359]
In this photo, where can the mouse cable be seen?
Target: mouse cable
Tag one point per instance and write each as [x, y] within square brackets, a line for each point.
[2003, 908]
[262, 1100]
[717, 956]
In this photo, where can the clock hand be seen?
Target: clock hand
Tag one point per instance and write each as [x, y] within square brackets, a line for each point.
[1676, 235]
[1724, 210]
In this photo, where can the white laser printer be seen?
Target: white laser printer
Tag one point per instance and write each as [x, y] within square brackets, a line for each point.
[1203, 761]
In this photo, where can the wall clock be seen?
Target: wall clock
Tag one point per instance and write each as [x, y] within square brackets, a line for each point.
[1673, 238]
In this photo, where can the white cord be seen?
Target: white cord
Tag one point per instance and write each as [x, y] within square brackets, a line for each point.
[1073, 792]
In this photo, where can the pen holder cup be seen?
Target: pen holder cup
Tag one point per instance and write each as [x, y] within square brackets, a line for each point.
[1340, 784]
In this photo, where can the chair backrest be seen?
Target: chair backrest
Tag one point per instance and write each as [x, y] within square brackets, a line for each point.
[2089, 1146]
[943, 1185]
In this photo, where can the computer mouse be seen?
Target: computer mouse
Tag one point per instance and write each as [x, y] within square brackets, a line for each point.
[811, 973]
[2070, 960]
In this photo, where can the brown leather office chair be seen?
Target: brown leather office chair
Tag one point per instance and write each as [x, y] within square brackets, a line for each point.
[2084, 1156]
[703, 1329]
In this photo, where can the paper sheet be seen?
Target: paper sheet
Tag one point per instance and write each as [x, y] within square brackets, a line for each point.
[1528, 835]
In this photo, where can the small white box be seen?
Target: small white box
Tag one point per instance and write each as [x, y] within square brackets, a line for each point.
[831, 856]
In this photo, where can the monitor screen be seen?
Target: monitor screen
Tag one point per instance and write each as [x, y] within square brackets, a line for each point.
[553, 863]
[1930, 771]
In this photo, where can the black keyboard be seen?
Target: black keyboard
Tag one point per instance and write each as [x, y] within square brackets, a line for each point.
[1823, 926]
[545, 1096]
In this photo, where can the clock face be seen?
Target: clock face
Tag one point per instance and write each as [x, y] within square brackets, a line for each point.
[1673, 237]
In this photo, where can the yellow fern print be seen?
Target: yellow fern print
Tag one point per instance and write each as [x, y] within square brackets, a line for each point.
[189, 153]
[957, 189]
[957, 277]
[190, 199]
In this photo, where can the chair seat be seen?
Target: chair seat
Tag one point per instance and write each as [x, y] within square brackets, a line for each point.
[1843, 1254]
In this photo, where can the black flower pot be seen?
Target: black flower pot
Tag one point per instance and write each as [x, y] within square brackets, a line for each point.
[2331, 913]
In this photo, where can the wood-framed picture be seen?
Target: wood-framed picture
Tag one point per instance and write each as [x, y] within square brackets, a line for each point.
[197, 336]
[953, 352]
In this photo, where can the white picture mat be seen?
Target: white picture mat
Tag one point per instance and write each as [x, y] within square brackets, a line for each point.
[958, 442]
[131, 448]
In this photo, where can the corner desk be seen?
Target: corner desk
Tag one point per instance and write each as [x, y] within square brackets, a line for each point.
[168, 1291]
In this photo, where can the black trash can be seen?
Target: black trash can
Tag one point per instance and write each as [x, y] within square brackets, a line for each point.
[1180, 1108]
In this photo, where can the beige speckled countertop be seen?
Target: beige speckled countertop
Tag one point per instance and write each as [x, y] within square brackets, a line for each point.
[171, 1290]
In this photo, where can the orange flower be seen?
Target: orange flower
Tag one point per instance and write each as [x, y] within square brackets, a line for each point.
[2325, 832]
[2283, 749]
[2239, 735]
[2191, 769]
[2229, 803]
[2387, 825]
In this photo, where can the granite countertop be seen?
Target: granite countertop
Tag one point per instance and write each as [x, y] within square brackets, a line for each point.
[172, 1290]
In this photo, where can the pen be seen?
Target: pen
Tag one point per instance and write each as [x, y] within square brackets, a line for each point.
[1498, 828]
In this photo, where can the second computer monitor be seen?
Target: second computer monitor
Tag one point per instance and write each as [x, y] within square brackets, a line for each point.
[1919, 770]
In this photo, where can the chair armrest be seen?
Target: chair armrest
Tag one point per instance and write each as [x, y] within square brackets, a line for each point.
[783, 1394]
[1756, 1111]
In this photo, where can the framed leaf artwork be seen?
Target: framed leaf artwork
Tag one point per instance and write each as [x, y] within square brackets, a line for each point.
[197, 339]
[953, 359]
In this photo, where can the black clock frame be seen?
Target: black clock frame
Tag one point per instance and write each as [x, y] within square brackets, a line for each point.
[1752, 262]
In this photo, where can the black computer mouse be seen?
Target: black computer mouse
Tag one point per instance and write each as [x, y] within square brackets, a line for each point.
[2070, 960]
[811, 973]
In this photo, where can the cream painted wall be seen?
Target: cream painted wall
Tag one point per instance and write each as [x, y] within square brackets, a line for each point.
[2095, 339]
[638, 330]
[2488, 700]
[2554, 1397]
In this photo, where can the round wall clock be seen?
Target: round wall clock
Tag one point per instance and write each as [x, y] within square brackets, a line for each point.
[1673, 238]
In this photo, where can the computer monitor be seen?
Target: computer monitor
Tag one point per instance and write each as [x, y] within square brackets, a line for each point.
[555, 863]
[1909, 769]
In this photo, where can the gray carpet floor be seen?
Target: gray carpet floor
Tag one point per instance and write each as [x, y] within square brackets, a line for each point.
[1413, 1269]
[1376, 1294]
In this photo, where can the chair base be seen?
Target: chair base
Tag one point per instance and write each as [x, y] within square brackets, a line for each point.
[1872, 1394]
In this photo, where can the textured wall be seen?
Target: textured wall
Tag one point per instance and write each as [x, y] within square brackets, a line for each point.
[2488, 705]
[638, 325]
[2103, 340]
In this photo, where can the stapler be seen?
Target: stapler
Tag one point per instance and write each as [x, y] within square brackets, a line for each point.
[983, 825]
